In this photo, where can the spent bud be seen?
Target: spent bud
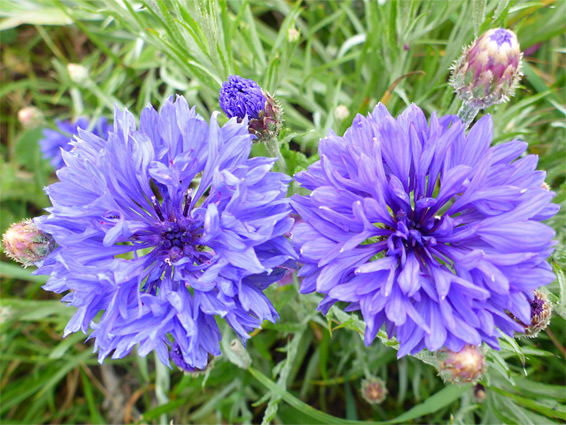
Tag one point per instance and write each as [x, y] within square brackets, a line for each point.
[374, 390]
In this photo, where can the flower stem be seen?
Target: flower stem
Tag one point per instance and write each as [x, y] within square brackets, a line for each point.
[467, 113]
[272, 146]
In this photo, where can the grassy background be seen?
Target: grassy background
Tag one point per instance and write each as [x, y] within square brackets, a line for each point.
[314, 56]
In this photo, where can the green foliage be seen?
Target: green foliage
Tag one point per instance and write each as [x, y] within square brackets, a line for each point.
[314, 57]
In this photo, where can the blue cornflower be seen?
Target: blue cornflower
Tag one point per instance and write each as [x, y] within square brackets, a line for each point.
[164, 228]
[425, 229]
[54, 142]
[240, 97]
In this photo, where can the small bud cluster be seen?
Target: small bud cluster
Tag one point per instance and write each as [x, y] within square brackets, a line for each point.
[374, 390]
[464, 366]
[26, 244]
[489, 70]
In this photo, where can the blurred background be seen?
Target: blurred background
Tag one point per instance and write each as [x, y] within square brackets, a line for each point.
[326, 61]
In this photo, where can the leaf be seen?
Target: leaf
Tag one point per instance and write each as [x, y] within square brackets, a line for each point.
[286, 367]
[513, 346]
[434, 403]
[10, 270]
[478, 14]
[561, 307]
[526, 402]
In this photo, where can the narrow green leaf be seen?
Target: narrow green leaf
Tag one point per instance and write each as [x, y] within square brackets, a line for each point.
[434, 403]
[13, 271]
[531, 404]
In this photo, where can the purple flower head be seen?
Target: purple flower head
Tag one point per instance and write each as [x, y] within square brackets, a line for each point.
[163, 228]
[425, 229]
[488, 71]
[240, 97]
[54, 142]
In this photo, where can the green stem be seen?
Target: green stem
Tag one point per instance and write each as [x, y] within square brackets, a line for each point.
[467, 113]
[272, 146]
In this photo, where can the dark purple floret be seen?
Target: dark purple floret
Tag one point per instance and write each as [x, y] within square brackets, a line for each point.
[501, 35]
[240, 97]
[537, 306]
[425, 229]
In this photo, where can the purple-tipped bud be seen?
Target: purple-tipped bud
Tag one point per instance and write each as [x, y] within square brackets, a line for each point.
[489, 70]
[240, 98]
[26, 244]
[479, 393]
[541, 312]
[467, 365]
[374, 390]
[177, 357]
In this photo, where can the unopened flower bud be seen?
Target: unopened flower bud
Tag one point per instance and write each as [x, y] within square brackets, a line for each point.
[240, 98]
[26, 244]
[239, 355]
[479, 393]
[489, 70]
[374, 390]
[78, 73]
[293, 35]
[341, 113]
[541, 312]
[30, 116]
[467, 365]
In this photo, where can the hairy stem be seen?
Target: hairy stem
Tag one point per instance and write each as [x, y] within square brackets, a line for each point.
[467, 113]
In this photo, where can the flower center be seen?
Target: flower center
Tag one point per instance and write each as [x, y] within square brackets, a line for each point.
[537, 305]
[176, 236]
[413, 234]
[178, 240]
